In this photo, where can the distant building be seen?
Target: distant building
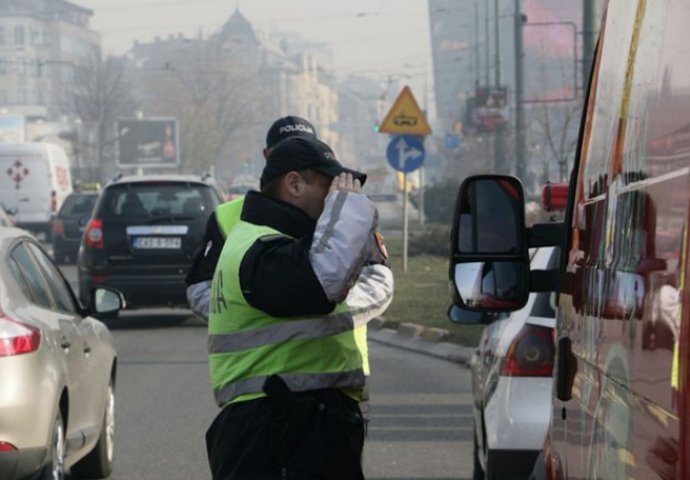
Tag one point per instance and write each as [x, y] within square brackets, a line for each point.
[473, 49]
[42, 43]
[270, 81]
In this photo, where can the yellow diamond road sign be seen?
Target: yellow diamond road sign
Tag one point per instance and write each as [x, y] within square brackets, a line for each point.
[405, 117]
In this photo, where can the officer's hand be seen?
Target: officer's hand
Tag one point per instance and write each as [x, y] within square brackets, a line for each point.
[346, 183]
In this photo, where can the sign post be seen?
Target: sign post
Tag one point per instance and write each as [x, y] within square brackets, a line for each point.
[405, 152]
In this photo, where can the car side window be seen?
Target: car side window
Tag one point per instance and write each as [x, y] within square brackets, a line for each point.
[31, 274]
[20, 278]
[61, 293]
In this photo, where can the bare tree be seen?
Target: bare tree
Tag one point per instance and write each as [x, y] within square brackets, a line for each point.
[101, 93]
[217, 101]
[558, 129]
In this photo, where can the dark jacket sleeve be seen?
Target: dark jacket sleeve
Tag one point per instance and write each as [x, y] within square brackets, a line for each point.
[276, 276]
[206, 256]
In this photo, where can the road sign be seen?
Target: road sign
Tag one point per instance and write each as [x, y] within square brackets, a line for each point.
[453, 141]
[405, 153]
[405, 116]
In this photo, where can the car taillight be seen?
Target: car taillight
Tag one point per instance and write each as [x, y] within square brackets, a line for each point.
[554, 196]
[58, 226]
[17, 338]
[7, 447]
[531, 354]
[94, 234]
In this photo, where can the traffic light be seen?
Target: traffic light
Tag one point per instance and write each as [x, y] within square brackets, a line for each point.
[376, 127]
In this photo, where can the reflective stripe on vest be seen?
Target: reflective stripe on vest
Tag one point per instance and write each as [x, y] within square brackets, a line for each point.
[228, 214]
[246, 344]
[296, 383]
[280, 332]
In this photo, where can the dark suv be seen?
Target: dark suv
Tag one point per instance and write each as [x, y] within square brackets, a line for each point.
[142, 235]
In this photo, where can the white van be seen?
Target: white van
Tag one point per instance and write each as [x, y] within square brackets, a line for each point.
[35, 178]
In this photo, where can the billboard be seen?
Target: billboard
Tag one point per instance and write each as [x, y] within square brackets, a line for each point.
[147, 142]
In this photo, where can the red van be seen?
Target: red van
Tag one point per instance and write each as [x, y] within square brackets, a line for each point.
[621, 408]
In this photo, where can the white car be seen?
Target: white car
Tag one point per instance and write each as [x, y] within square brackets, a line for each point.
[511, 372]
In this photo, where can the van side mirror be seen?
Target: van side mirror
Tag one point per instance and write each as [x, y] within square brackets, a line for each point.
[489, 266]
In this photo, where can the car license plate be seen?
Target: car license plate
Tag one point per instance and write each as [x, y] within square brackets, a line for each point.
[149, 243]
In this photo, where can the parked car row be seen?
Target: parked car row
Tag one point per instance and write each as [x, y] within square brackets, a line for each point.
[134, 241]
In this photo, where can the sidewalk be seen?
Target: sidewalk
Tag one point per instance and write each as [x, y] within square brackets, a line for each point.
[416, 338]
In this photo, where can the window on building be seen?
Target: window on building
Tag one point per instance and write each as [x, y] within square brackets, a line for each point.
[3, 96]
[3, 68]
[21, 96]
[19, 35]
[35, 36]
[2, 35]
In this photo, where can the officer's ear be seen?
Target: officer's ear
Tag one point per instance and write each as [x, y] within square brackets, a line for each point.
[293, 184]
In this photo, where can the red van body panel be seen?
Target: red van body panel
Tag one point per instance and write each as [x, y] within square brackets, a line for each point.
[625, 303]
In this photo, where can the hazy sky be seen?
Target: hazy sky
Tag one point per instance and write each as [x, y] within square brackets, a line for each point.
[366, 36]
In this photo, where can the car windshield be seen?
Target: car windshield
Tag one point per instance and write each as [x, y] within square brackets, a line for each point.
[147, 200]
[77, 204]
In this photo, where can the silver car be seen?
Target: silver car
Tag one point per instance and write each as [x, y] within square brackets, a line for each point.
[511, 373]
[57, 369]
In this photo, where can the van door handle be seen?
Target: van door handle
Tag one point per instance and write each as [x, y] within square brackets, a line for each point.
[566, 367]
[65, 343]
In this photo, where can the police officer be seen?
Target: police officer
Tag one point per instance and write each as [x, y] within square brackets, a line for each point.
[226, 215]
[285, 365]
[368, 299]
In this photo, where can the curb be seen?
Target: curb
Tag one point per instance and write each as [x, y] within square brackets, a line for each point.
[415, 338]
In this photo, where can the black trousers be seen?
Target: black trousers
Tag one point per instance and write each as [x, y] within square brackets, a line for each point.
[244, 441]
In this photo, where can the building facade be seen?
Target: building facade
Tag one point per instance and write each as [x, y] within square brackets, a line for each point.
[42, 44]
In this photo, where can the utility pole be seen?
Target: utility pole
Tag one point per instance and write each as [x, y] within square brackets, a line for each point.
[497, 41]
[487, 44]
[499, 138]
[589, 39]
[475, 40]
[520, 149]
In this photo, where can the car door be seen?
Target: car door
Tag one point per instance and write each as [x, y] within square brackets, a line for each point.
[60, 326]
[93, 371]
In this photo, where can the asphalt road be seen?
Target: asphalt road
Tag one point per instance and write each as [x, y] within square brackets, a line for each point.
[420, 420]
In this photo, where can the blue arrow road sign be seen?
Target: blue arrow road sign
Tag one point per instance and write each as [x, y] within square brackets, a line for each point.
[405, 153]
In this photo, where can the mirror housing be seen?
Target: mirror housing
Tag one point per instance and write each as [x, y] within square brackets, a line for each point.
[461, 316]
[489, 265]
[105, 302]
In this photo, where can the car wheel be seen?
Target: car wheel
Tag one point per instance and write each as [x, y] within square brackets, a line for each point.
[478, 471]
[98, 463]
[55, 469]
